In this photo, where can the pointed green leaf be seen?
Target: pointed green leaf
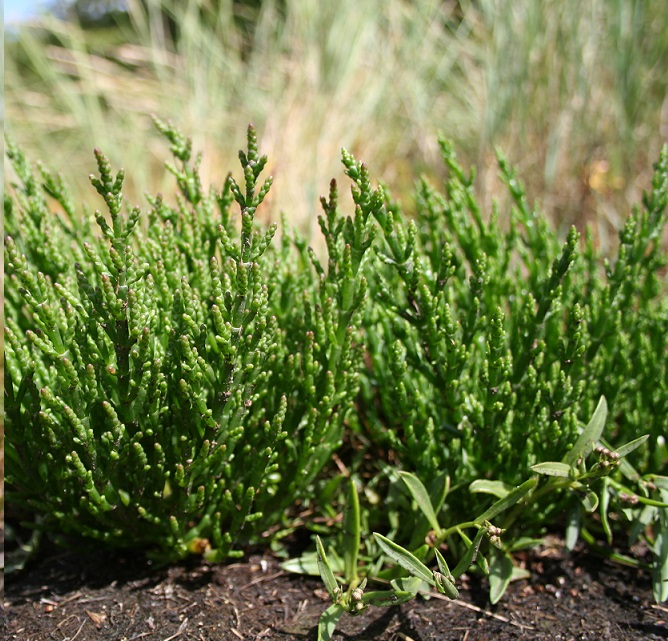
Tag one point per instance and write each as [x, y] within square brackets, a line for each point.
[496, 488]
[482, 562]
[351, 533]
[508, 501]
[589, 436]
[445, 583]
[500, 573]
[519, 574]
[421, 496]
[406, 584]
[573, 527]
[328, 620]
[442, 565]
[405, 559]
[626, 449]
[660, 569]
[523, 543]
[305, 564]
[439, 489]
[326, 573]
[471, 554]
[589, 501]
[553, 468]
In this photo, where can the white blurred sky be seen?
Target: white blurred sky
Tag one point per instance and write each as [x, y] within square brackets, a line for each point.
[18, 10]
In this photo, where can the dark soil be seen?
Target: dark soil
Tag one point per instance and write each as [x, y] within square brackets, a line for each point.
[101, 596]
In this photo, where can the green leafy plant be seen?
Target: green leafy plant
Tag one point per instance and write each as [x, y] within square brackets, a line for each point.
[488, 550]
[353, 599]
[484, 351]
[414, 575]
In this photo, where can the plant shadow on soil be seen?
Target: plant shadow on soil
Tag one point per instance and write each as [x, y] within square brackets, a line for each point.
[101, 595]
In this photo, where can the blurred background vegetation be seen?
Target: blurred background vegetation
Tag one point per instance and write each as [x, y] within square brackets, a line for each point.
[574, 93]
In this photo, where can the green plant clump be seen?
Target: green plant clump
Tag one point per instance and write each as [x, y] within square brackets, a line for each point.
[170, 381]
[181, 381]
[489, 344]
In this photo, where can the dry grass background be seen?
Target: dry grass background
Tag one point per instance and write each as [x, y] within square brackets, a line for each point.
[574, 93]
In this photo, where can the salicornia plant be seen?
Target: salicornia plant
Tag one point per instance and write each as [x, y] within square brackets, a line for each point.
[179, 380]
[491, 344]
[171, 381]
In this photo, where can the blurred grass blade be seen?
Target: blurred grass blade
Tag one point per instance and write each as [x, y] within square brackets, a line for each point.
[405, 559]
[421, 496]
[660, 570]
[573, 527]
[660, 549]
[590, 435]
[351, 532]
[508, 501]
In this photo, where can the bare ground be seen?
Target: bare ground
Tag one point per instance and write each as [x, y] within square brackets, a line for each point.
[104, 596]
